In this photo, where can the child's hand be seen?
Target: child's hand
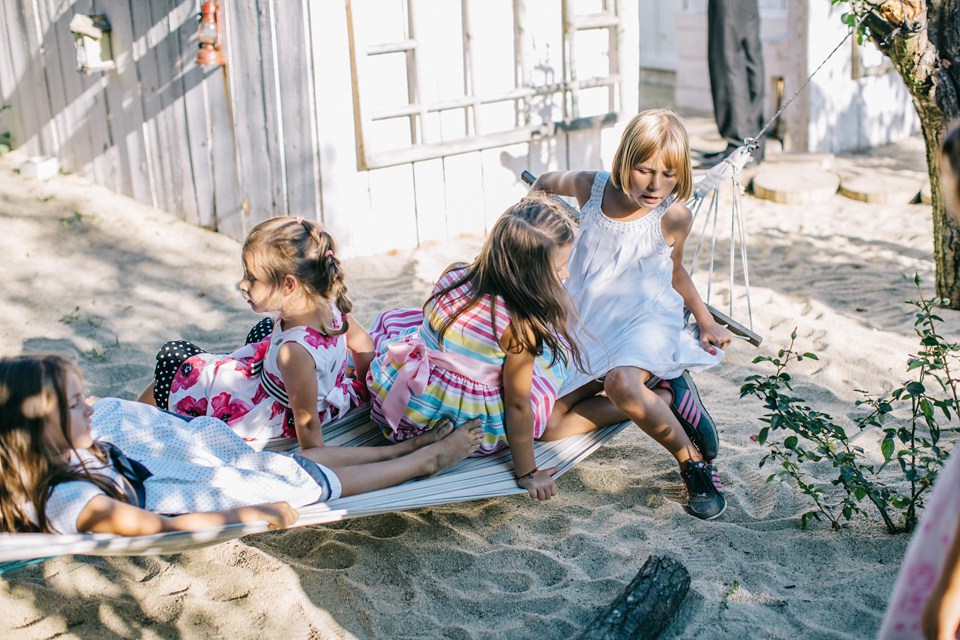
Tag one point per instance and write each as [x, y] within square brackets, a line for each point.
[541, 486]
[279, 515]
[714, 336]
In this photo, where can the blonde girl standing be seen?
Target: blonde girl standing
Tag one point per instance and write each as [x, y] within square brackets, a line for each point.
[492, 343]
[629, 287]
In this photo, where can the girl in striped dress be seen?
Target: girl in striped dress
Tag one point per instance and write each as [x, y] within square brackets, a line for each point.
[491, 343]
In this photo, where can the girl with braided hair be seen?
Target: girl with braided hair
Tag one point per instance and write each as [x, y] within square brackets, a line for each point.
[291, 377]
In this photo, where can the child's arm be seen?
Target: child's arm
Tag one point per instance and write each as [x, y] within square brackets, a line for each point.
[106, 515]
[361, 344]
[575, 184]
[676, 226]
[517, 384]
[299, 373]
[941, 615]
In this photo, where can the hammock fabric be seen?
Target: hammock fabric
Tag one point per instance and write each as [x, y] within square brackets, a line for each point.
[470, 479]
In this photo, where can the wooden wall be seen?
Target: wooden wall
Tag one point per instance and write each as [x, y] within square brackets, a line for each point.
[272, 133]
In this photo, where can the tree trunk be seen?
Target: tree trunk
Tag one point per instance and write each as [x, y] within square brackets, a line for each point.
[922, 38]
[646, 606]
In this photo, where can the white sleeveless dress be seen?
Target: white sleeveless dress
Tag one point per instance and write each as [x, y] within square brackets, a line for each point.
[621, 283]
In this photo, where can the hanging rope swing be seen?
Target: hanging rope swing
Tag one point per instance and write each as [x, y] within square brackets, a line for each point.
[707, 189]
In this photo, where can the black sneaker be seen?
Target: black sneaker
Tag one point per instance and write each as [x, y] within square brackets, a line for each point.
[693, 417]
[704, 491]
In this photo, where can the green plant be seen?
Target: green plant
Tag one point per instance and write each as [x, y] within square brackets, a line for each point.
[815, 438]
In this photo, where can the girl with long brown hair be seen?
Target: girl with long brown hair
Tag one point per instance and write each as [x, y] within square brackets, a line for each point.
[492, 343]
[64, 465]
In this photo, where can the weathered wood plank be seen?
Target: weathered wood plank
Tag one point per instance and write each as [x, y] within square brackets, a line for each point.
[297, 114]
[93, 102]
[253, 100]
[66, 89]
[345, 190]
[126, 109]
[502, 186]
[36, 128]
[8, 85]
[191, 78]
[167, 19]
[59, 108]
[430, 201]
[463, 191]
[227, 194]
[393, 222]
[155, 132]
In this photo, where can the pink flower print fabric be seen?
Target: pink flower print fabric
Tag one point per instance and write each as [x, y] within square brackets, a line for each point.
[231, 387]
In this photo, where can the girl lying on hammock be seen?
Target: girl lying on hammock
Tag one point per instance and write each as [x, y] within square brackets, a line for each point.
[57, 477]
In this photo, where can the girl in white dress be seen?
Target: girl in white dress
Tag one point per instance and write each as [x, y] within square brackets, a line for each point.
[64, 465]
[629, 287]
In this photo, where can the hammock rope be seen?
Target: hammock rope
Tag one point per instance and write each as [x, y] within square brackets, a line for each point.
[728, 171]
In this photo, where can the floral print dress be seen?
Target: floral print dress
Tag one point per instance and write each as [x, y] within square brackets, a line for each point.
[245, 389]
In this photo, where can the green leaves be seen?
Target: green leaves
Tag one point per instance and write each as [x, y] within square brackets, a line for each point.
[813, 437]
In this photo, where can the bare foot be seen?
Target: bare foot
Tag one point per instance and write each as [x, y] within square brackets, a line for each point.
[439, 431]
[459, 444]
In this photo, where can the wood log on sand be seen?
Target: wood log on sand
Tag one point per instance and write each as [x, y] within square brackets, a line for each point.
[646, 606]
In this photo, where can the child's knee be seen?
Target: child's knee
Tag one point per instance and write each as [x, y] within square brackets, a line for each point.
[625, 388]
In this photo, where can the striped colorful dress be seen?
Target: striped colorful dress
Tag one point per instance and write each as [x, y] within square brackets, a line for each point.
[415, 381]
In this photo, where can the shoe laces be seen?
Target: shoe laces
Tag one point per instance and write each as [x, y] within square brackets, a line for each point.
[698, 479]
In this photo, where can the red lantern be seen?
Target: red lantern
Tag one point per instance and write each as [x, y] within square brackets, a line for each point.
[208, 35]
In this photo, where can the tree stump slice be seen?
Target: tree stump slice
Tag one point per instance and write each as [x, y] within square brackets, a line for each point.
[880, 187]
[795, 183]
[646, 606]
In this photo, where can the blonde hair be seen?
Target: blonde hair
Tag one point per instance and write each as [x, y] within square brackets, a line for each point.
[516, 264]
[655, 133]
[301, 248]
[32, 390]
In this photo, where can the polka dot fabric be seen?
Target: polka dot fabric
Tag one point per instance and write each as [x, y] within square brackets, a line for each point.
[169, 359]
[197, 465]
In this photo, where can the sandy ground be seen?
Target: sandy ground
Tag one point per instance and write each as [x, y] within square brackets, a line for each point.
[105, 281]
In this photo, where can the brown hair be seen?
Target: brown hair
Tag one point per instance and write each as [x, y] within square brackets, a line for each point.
[301, 248]
[650, 134]
[32, 389]
[516, 264]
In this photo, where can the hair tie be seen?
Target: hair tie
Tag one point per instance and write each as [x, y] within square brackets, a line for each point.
[299, 219]
[328, 254]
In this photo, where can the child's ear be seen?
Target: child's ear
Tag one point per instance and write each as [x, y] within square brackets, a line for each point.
[289, 284]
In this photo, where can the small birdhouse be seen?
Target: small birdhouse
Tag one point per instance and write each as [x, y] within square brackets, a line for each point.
[91, 35]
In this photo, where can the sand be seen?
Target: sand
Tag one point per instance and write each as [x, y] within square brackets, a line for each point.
[105, 280]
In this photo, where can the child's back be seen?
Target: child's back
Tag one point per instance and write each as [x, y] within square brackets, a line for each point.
[465, 367]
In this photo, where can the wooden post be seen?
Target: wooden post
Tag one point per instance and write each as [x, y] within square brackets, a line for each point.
[646, 607]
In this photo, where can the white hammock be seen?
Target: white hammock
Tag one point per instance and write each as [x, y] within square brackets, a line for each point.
[470, 479]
